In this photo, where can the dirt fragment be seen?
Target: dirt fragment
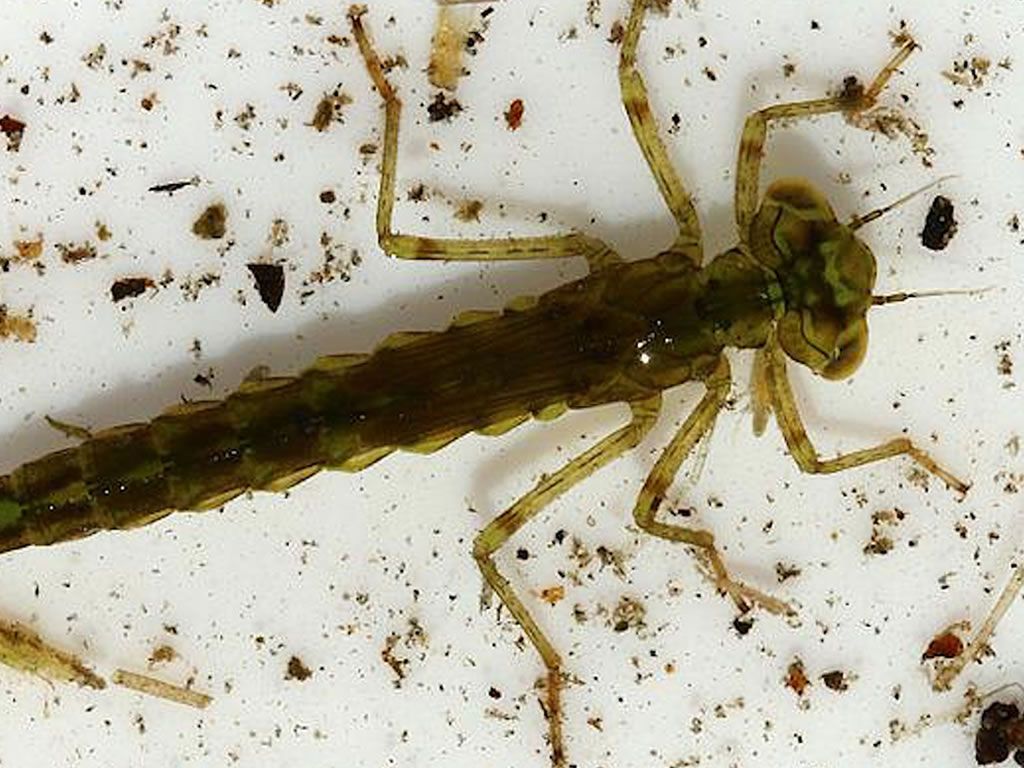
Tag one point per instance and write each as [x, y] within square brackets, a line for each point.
[297, 670]
[469, 210]
[173, 186]
[28, 250]
[212, 223]
[836, 680]
[269, 282]
[939, 225]
[330, 109]
[553, 595]
[796, 677]
[162, 654]
[75, 253]
[443, 108]
[14, 130]
[514, 114]
[945, 645]
[129, 288]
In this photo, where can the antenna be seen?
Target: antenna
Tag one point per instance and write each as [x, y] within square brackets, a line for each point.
[859, 221]
[893, 298]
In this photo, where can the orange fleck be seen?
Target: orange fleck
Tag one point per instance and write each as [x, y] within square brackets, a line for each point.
[553, 595]
[796, 677]
[514, 114]
[945, 645]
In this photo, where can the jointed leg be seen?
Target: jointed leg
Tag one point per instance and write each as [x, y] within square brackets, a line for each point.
[494, 536]
[806, 455]
[638, 107]
[596, 252]
[699, 422]
[748, 166]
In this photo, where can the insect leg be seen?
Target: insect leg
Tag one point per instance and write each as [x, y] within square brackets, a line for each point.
[806, 455]
[596, 252]
[699, 422]
[755, 130]
[502, 528]
[645, 129]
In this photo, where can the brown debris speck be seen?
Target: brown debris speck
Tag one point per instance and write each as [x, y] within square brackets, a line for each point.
[14, 130]
[945, 645]
[939, 225]
[162, 654]
[297, 670]
[212, 223]
[16, 327]
[514, 114]
[329, 109]
[129, 288]
[469, 210]
[28, 250]
[75, 253]
[553, 595]
[968, 73]
[836, 680]
[796, 677]
[443, 108]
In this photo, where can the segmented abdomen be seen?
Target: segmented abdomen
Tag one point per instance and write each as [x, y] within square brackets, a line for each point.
[488, 372]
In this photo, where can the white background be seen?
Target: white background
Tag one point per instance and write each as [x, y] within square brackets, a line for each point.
[329, 571]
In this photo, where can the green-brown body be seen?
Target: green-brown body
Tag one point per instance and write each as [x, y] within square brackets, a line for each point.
[622, 334]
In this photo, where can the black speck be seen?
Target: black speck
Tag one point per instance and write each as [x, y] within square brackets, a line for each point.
[269, 282]
[443, 108]
[129, 288]
[939, 225]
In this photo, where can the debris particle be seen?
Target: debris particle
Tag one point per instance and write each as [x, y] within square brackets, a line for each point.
[28, 250]
[417, 193]
[103, 233]
[743, 625]
[553, 595]
[73, 253]
[129, 288]
[469, 210]
[17, 327]
[329, 109]
[443, 108]
[881, 543]
[279, 234]
[968, 73]
[297, 670]
[514, 114]
[836, 680]
[212, 223]
[269, 282]
[796, 677]
[945, 645]
[939, 224]
[629, 613]
[160, 689]
[14, 130]
[173, 186]
[162, 654]
[786, 571]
